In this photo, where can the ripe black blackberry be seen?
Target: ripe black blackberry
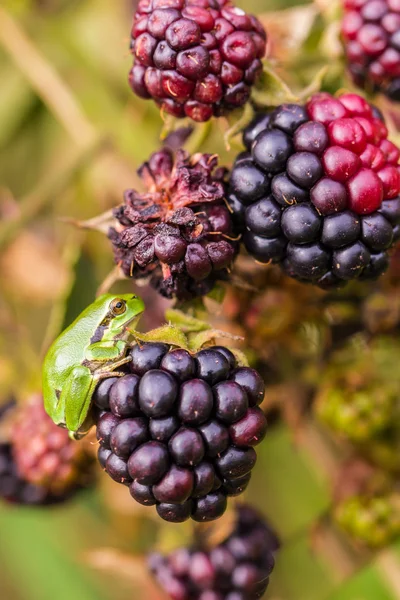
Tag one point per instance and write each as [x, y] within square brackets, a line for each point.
[318, 190]
[39, 465]
[178, 233]
[195, 58]
[179, 429]
[371, 37]
[237, 569]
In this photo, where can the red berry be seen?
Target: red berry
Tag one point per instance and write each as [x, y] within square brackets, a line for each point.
[179, 45]
[365, 192]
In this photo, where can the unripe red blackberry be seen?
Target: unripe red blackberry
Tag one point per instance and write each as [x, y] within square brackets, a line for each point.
[180, 430]
[43, 453]
[195, 58]
[179, 232]
[25, 459]
[318, 190]
[237, 568]
[371, 38]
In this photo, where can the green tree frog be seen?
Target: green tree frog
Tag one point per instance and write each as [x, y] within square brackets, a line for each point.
[90, 349]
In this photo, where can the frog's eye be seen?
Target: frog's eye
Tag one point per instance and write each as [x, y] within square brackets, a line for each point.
[118, 307]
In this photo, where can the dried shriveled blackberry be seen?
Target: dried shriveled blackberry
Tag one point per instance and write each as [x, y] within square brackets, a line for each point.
[179, 233]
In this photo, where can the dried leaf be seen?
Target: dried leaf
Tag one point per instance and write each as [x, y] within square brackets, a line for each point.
[101, 223]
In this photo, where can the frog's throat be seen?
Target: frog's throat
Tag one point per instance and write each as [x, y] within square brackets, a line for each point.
[129, 325]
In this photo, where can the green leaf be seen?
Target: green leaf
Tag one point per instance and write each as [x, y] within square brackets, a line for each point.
[237, 121]
[184, 321]
[315, 84]
[271, 89]
[166, 334]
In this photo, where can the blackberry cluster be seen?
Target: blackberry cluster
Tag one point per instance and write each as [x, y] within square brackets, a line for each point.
[317, 190]
[179, 430]
[195, 58]
[33, 450]
[237, 569]
[178, 233]
[371, 36]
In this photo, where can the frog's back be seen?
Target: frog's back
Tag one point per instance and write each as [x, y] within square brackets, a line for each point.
[68, 350]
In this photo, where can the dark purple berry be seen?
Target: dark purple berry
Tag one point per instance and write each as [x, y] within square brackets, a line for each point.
[204, 479]
[271, 150]
[349, 262]
[195, 402]
[248, 182]
[209, 508]
[301, 223]
[230, 357]
[250, 430]
[231, 402]
[175, 513]
[163, 429]
[101, 396]
[216, 438]
[310, 261]
[102, 455]
[264, 217]
[175, 487]
[286, 192]
[235, 487]
[252, 383]
[390, 209]
[304, 168]
[127, 436]
[311, 137]
[147, 356]
[157, 393]
[105, 426]
[124, 396]
[117, 469]
[236, 462]
[142, 494]
[187, 447]
[376, 232]
[149, 463]
[341, 229]
[264, 249]
[288, 117]
[211, 366]
[179, 363]
[257, 125]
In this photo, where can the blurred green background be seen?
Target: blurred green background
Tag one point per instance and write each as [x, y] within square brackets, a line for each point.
[71, 137]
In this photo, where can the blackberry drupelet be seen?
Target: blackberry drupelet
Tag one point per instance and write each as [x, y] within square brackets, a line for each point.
[318, 190]
[195, 58]
[371, 37]
[179, 233]
[237, 568]
[180, 429]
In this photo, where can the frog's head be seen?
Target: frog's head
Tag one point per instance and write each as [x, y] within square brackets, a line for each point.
[121, 311]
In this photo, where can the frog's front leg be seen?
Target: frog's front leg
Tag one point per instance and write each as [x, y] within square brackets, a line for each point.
[108, 351]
